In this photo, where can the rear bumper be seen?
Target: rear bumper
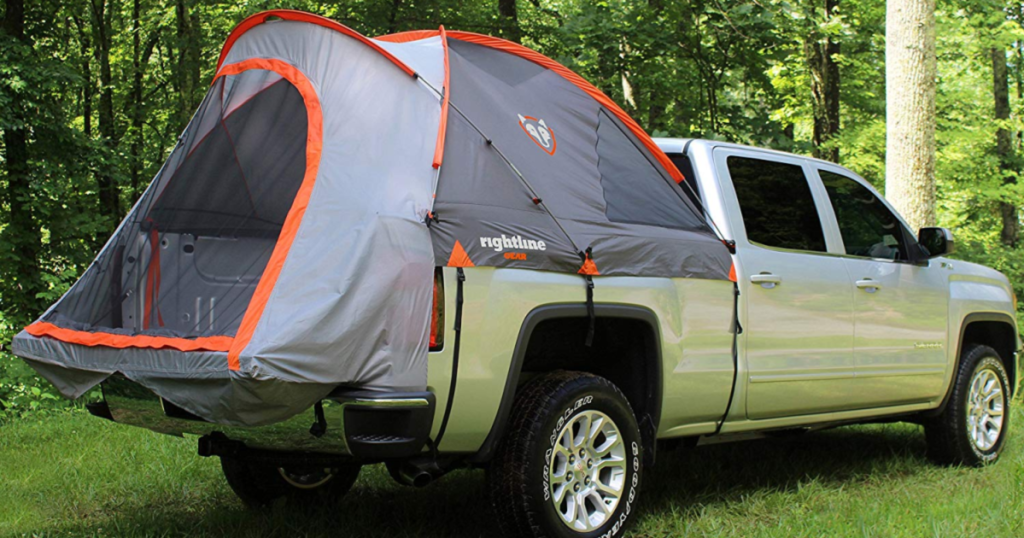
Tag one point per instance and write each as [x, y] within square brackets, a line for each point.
[363, 424]
[385, 425]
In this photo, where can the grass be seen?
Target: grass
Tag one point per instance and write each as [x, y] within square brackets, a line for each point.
[74, 475]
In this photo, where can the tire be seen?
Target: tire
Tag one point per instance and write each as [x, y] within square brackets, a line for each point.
[259, 484]
[952, 436]
[528, 478]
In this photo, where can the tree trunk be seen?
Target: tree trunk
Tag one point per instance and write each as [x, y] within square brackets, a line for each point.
[1019, 72]
[510, 19]
[135, 166]
[140, 60]
[187, 73]
[109, 199]
[656, 99]
[655, 114]
[396, 5]
[87, 84]
[821, 53]
[1004, 144]
[21, 271]
[789, 131]
[910, 72]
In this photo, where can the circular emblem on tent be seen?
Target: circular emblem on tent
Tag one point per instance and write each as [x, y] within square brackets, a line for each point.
[541, 134]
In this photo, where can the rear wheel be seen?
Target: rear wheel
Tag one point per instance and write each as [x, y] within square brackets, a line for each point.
[570, 462]
[259, 483]
[972, 427]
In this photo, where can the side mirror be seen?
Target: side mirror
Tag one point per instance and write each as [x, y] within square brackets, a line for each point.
[935, 241]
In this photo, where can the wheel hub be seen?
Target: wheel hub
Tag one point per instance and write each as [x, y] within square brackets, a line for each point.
[985, 407]
[587, 473]
[306, 479]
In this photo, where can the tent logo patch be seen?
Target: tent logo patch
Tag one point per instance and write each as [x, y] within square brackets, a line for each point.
[539, 132]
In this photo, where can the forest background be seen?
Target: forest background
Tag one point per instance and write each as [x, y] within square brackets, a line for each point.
[94, 93]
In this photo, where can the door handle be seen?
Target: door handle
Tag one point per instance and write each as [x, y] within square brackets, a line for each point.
[766, 280]
[869, 285]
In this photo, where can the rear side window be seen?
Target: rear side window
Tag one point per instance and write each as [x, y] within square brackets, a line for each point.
[776, 203]
[868, 228]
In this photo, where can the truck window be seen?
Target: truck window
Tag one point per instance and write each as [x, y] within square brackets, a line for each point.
[776, 204]
[868, 228]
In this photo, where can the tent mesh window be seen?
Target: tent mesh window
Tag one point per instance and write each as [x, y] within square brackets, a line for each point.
[187, 259]
[635, 191]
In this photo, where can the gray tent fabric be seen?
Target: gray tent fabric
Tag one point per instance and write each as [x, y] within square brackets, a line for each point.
[288, 245]
[599, 187]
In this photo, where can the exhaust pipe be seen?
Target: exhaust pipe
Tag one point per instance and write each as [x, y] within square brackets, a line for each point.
[408, 473]
[421, 471]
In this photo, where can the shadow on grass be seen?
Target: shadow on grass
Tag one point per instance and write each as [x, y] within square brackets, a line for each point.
[683, 482]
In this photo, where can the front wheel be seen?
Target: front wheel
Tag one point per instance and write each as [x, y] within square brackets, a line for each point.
[971, 429]
[570, 464]
[259, 484]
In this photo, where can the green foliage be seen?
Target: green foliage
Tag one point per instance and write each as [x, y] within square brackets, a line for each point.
[22, 391]
[736, 71]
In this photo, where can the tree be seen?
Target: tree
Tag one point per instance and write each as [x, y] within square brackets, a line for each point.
[510, 19]
[21, 236]
[106, 177]
[1010, 232]
[188, 65]
[136, 105]
[822, 51]
[910, 70]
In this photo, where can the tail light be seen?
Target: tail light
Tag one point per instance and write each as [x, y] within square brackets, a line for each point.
[437, 312]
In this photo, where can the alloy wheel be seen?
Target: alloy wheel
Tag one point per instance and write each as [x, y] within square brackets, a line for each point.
[985, 408]
[587, 472]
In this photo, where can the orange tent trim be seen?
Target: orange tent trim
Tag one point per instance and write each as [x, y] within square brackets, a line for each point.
[589, 268]
[459, 257]
[153, 281]
[122, 341]
[406, 37]
[301, 16]
[314, 148]
[442, 126]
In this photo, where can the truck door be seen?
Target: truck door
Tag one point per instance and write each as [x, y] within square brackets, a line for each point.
[798, 299]
[900, 308]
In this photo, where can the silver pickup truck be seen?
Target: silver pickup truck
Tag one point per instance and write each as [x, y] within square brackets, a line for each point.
[838, 315]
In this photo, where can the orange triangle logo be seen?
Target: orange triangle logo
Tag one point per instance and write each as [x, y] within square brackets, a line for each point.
[459, 258]
[589, 268]
[732, 273]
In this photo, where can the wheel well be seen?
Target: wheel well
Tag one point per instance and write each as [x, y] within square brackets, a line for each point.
[998, 335]
[625, 351]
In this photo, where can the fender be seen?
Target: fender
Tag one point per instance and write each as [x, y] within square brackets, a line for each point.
[574, 310]
[972, 318]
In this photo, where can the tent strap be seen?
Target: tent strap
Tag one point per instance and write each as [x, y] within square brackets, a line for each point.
[459, 299]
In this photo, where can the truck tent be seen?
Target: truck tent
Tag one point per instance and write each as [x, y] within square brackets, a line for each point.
[287, 246]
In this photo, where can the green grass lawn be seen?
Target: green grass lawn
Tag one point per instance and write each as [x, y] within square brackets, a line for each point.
[74, 475]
